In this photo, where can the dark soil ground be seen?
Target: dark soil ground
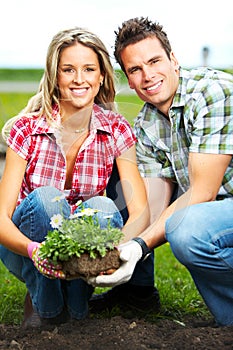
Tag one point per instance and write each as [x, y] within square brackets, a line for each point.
[119, 333]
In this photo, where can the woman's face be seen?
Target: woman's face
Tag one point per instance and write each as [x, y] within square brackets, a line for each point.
[79, 78]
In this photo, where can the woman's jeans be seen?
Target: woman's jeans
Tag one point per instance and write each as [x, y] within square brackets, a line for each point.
[201, 238]
[49, 296]
[32, 217]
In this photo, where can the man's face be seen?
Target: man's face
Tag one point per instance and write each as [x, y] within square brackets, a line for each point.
[150, 72]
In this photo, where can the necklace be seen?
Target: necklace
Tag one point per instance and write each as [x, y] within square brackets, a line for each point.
[79, 131]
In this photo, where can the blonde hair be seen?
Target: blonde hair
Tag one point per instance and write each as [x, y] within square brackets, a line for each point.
[48, 92]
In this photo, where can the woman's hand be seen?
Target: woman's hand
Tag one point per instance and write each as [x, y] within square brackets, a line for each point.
[44, 266]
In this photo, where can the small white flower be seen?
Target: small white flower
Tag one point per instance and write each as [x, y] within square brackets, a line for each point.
[89, 211]
[58, 198]
[75, 216]
[78, 203]
[56, 220]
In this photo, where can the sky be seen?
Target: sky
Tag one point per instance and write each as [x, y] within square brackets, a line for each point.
[27, 27]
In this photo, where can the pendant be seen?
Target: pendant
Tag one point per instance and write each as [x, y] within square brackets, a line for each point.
[78, 131]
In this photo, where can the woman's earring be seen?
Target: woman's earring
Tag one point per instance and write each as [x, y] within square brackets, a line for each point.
[101, 83]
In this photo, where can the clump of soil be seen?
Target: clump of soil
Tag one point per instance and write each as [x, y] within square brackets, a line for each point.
[86, 266]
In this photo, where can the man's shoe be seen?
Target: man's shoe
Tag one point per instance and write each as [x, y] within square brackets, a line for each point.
[142, 299]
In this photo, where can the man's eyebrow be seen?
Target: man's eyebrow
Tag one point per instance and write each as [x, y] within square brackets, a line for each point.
[155, 57]
[130, 69]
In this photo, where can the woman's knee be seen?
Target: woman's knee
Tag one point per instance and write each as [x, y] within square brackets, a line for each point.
[33, 215]
[45, 194]
[101, 203]
[107, 211]
[50, 200]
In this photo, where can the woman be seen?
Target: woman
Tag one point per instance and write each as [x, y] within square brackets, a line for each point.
[65, 142]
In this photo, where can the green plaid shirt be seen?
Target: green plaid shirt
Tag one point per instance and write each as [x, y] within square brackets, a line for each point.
[201, 120]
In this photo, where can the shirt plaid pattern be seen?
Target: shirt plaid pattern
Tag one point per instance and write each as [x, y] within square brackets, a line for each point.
[200, 120]
[110, 135]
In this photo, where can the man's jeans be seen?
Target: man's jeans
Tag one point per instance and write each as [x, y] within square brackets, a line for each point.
[201, 238]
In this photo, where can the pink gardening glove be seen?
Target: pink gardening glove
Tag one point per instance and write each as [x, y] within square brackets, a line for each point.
[44, 266]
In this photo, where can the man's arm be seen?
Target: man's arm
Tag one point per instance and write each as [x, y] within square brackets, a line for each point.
[159, 193]
[206, 173]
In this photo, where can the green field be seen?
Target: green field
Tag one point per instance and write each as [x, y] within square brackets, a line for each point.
[8, 74]
[12, 103]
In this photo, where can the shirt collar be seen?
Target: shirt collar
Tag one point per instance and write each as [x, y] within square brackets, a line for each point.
[100, 119]
[180, 95]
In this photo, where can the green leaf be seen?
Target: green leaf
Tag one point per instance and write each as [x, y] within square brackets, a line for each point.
[77, 236]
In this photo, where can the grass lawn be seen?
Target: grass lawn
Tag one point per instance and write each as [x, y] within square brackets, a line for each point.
[178, 294]
[11, 104]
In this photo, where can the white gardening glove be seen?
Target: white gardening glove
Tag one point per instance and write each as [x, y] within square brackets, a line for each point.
[130, 254]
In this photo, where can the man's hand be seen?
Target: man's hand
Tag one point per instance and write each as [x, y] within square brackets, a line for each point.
[45, 267]
[130, 254]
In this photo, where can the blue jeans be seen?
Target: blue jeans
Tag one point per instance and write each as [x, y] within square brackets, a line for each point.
[32, 217]
[201, 238]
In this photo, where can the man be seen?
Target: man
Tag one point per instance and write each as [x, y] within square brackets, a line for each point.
[185, 148]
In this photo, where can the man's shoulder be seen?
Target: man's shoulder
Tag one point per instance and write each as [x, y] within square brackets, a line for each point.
[198, 80]
[205, 73]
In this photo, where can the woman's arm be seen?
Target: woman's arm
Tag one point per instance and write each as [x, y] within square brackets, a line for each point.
[134, 193]
[10, 185]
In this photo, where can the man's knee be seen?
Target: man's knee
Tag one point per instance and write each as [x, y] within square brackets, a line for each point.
[181, 229]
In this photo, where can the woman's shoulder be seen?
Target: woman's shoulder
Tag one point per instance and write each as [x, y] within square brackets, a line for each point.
[31, 123]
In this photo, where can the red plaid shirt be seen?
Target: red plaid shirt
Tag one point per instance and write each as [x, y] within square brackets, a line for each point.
[110, 135]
